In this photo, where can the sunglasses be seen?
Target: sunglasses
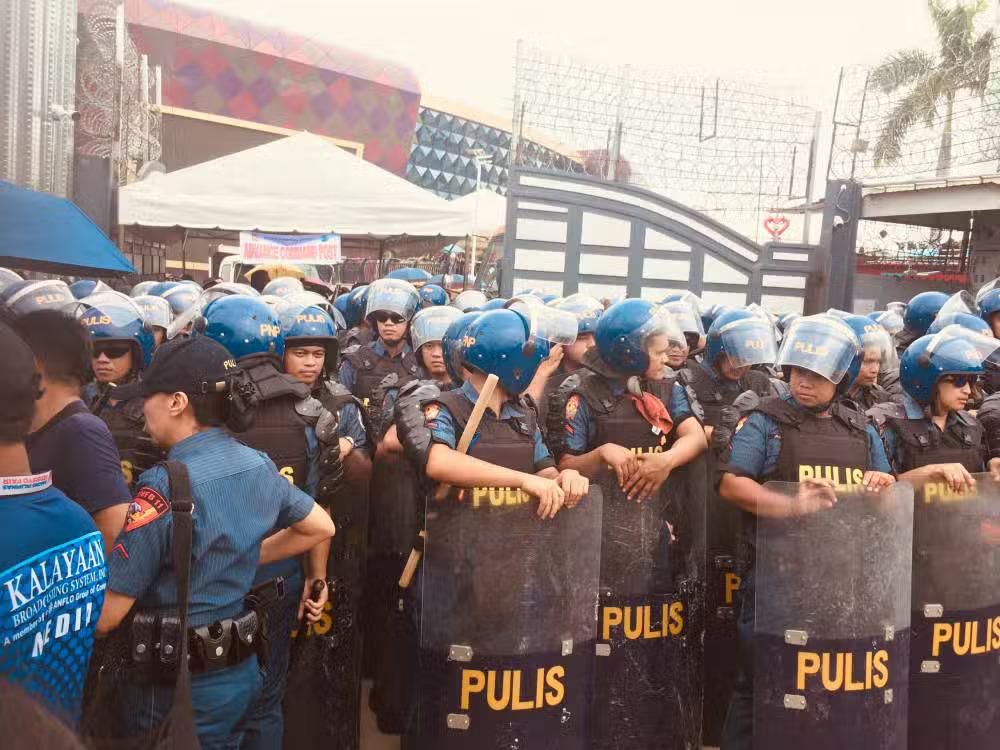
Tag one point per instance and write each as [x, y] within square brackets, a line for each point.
[960, 381]
[388, 317]
[116, 351]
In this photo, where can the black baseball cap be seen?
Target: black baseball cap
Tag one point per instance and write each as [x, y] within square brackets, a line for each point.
[18, 381]
[187, 365]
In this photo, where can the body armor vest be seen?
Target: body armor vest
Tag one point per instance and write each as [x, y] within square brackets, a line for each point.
[278, 429]
[127, 424]
[834, 448]
[508, 443]
[923, 443]
[869, 396]
[711, 397]
[370, 368]
[617, 418]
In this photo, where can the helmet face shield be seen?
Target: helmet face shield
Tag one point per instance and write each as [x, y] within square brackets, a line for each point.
[986, 288]
[879, 339]
[155, 310]
[891, 321]
[959, 302]
[661, 323]
[39, 295]
[469, 299]
[749, 342]
[956, 349]
[430, 324]
[686, 316]
[392, 296]
[546, 323]
[823, 345]
[119, 311]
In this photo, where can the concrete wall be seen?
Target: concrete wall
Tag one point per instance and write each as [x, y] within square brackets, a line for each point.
[873, 292]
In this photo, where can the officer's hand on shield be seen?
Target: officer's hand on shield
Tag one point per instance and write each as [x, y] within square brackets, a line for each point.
[575, 485]
[654, 468]
[994, 468]
[956, 476]
[621, 460]
[313, 609]
[876, 481]
[550, 495]
[814, 495]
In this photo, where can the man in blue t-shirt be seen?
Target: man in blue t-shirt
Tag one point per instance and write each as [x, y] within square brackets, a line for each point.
[66, 439]
[52, 565]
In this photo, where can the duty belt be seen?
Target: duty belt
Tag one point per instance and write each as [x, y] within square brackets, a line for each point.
[155, 638]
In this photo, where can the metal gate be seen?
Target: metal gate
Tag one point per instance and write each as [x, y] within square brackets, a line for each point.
[573, 233]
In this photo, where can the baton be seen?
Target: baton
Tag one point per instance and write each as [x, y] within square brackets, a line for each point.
[314, 594]
[485, 396]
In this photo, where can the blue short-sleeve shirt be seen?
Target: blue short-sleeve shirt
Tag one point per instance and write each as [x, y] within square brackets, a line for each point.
[580, 427]
[52, 582]
[239, 499]
[756, 444]
[894, 445]
[79, 450]
[442, 427]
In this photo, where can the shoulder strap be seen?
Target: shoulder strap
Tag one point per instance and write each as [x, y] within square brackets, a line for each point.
[779, 410]
[850, 414]
[362, 358]
[758, 382]
[556, 415]
[410, 364]
[459, 406]
[180, 724]
[596, 390]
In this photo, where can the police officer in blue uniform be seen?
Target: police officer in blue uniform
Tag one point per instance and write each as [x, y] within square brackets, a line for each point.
[432, 295]
[785, 439]
[358, 332]
[878, 356]
[157, 314]
[240, 500]
[390, 306]
[122, 346]
[285, 428]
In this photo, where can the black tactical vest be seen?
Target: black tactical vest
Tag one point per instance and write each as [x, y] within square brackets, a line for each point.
[834, 448]
[923, 443]
[709, 395]
[127, 424]
[508, 443]
[869, 396]
[618, 420]
[278, 429]
[370, 368]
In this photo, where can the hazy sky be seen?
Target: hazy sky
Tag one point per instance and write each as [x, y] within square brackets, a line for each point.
[464, 49]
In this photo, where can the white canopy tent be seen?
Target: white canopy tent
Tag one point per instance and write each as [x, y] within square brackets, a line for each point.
[302, 184]
[489, 217]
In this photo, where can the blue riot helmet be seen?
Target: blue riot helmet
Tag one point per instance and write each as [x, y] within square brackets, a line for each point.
[825, 346]
[314, 299]
[625, 330]
[708, 316]
[308, 325]
[392, 296]
[432, 295]
[954, 350]
[586, 309]
[921, 311]
[959, 302]
[985, 289]
[689, 321]
[182, 297]
[155, 310]
[357, 300]
[747, 339]
[86, 287]
[874, 336]
[972, 322]
[690, 298]
[499, 342]
[430, 325]
[142, 288]
[282, 286]
[989, 304]
[890, 320]
[497, 303]
[244, 325]
[183, 322]
[412, 275]
[162, 286]
[451, 342]
[23, 297]
[469, 300]
[340, 303]
[110, 319]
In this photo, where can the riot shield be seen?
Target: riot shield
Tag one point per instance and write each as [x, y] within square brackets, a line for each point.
[508, 624]
[832, 630]
[954, 669]
[648, 676]
[724, 572]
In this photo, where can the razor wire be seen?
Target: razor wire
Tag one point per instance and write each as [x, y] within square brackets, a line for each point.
[865, 112]
[733, 150]
[141, 121]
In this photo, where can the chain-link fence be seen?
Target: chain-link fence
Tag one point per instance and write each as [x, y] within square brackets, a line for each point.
[733, 150]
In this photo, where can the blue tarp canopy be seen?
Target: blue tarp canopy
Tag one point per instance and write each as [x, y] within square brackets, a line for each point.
[41, 232]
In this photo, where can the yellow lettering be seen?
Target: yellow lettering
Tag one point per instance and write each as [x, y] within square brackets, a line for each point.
[732, 585]
[942, 634]
[633, 625]
[288, 472]
[518, 704]
[806, 472]
[833, 682]
[808, 665]
[995, 641]
[960, 648]
[647, 627]
[325, 622]
[977, 649]
[676, 618]
[849, 684]
[554, 696]
[268, 329]
[494, 702]
[882, 668]
[128, 471]
[473, 681]
[611, 616]
[539, 687]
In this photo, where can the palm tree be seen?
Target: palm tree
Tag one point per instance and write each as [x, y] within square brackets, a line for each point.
[962, 64]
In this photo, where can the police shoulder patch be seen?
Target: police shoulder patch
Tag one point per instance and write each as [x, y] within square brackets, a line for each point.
[739, 425]
[146, 507]
[431, 412]
[572, 406]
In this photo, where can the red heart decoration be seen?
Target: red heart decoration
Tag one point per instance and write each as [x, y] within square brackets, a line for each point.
[776, 225]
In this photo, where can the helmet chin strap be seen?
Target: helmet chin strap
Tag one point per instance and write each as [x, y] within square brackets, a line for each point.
[818, 408]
